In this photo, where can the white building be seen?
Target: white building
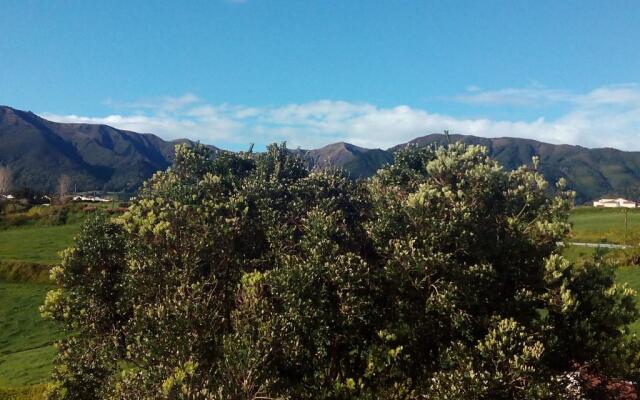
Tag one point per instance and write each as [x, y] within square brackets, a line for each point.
[90, 198]
[615, 203]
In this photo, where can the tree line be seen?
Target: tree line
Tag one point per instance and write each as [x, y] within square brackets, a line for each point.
[63, 186]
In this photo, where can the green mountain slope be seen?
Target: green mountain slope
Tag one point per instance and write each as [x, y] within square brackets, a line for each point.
[358, 161]
[592, 173]
[96, 157]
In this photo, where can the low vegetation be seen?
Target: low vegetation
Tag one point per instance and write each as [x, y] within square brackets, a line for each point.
[24, 272]
[630, 275]
[32, 392]
[626, 263]
[22, 213]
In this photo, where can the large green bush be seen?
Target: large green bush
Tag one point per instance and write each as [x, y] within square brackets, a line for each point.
[244, 276]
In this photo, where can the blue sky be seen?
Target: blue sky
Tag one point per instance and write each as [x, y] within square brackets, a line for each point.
[374, 73]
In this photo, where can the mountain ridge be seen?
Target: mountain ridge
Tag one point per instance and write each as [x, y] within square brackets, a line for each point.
[101, 157]
[94, 156]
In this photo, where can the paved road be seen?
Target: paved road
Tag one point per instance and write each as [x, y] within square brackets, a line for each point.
[603, 245]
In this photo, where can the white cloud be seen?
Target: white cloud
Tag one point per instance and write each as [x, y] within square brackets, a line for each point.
[604, 117]
[165, 104]
[521, 97]
[622, 95]
[540, 95]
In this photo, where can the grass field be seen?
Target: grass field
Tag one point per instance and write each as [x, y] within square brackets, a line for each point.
[605, 225]
[26, 340]
[576, 253]
[40, 244]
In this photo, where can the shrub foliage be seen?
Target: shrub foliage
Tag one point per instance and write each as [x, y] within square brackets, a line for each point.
[245, 276]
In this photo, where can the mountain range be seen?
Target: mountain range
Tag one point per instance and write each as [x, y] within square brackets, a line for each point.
[100, 157]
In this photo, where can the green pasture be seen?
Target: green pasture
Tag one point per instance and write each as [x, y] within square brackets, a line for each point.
[577, 253]
[30, 242]
[605, 225]
[26, 340]
[36, 244]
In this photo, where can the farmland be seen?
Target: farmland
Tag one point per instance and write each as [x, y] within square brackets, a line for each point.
[605, 225]
[26, 340]
[39, 244]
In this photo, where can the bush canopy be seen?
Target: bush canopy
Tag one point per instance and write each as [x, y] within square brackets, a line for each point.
[246, 276]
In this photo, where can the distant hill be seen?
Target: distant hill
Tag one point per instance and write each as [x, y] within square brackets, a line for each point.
[99, 157]
[96, 157]
[592, 173]
[360, 162]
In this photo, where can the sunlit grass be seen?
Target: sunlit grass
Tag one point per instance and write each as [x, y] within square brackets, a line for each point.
[36, 244]
[605, 225]
[26, 340]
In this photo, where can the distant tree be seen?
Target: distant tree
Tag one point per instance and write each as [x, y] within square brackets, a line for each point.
[5, 180]
[245, 276]
[31, 196]
[64, 185]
